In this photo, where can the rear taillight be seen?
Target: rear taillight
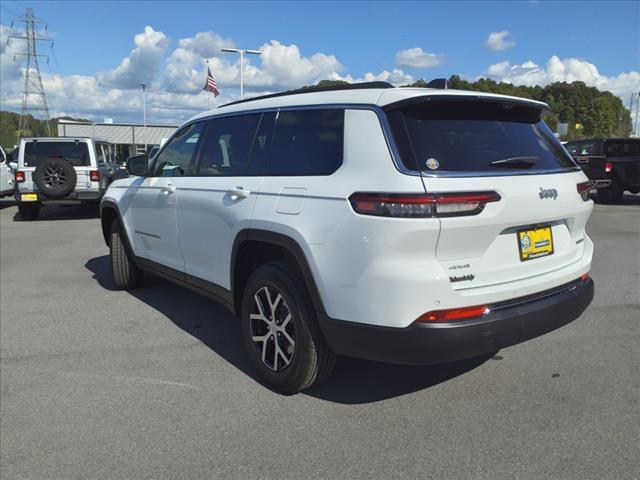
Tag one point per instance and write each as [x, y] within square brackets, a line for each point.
[19, 176]
[584, 188]
[608, 167]
[584, 277]
[421, 205]
[94, 175]
[454, 314]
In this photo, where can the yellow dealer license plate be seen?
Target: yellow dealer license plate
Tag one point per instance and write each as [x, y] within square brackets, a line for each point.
[535, 242]
[29, 197]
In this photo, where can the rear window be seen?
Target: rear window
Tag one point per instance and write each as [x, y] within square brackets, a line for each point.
[468, 136]
[75, 153]
[622, 148]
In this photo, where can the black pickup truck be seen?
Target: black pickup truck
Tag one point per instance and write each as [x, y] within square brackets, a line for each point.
[614, 159]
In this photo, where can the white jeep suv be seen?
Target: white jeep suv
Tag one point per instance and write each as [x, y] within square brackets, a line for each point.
[59, 170]
[403, 225]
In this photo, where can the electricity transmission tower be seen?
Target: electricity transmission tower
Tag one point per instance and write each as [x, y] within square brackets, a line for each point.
[33, 97]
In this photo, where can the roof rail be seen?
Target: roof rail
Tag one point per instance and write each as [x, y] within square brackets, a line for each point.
[348, 86]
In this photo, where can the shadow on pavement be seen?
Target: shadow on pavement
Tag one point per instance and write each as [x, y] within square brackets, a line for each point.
[353, 381]
[7, 202]
[63, 212]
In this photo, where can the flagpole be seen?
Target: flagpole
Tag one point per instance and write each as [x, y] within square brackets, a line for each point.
[208, 93]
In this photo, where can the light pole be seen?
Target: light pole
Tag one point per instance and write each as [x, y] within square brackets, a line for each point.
[241, 52]
[635, 130]
[144, 102]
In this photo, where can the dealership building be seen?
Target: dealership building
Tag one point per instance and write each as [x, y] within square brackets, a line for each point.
[128, 138]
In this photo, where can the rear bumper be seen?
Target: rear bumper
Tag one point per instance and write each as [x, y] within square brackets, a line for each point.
[507, 323]
[75, 196]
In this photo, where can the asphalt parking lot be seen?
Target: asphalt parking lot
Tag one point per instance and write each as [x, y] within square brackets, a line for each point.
[99, 384]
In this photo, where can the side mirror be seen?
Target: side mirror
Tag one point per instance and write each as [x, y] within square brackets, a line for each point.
[138, 165]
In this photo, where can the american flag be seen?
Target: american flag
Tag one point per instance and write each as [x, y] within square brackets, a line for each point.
[211, 85]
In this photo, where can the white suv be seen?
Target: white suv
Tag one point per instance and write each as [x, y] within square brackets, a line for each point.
[62, 170]
[403, 225]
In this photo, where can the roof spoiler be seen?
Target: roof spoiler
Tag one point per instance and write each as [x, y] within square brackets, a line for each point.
[407, 102]
[440, 83]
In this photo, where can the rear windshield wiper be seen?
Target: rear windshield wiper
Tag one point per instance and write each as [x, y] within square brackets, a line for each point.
[515, 162]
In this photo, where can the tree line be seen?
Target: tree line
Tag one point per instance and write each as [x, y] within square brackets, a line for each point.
[588, 111]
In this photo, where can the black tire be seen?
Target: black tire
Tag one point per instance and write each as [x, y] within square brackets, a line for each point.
[312, 360]
[29, 211]
[612, 194]
[126, 274]
[55, 177]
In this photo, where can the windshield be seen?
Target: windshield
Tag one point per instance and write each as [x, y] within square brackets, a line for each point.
[467, 136]
[75, 153]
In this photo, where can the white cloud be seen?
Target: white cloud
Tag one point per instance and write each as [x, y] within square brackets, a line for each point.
[565, 70]
[417, 58]
[499, 41]
[396, 77]
[142, 63]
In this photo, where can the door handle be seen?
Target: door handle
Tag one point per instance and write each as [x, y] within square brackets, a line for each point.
[238, 192]
[169, 189]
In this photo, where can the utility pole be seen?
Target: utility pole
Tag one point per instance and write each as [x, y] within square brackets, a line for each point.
[144, 111]
[242, 52]
[635, 129]
[631, 112]
[144, 103]
[33, 97]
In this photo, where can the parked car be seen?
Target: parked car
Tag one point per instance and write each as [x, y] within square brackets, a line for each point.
[412, 226]
[616, 160]
[6, 175]
[62, 170]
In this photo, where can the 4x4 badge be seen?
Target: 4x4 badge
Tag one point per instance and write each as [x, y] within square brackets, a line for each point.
[548, 193]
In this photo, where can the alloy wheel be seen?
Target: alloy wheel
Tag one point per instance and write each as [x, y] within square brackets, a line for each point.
[272, 329]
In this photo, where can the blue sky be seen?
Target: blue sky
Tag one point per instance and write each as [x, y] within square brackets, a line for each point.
[363, 37]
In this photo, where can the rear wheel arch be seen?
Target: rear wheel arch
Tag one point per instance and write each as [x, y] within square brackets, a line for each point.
[253, 248]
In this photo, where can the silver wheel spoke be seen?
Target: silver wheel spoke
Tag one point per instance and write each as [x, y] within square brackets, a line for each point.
[285, 322]
[284, 357]
[267, 334]
[255, 316]
[276, 350]
[260, 338]
[264, 351]
[256, 297]
[289, 339]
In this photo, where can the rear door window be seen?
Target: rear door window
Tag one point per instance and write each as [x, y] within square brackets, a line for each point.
[305, 142]
[468, 136]
[226, 149]
[75, 153]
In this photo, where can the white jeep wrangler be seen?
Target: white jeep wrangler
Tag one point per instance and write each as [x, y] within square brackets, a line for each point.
[403, 225]
[62, 170]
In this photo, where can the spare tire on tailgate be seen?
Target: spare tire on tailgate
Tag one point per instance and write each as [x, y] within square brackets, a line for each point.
[55, 177]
